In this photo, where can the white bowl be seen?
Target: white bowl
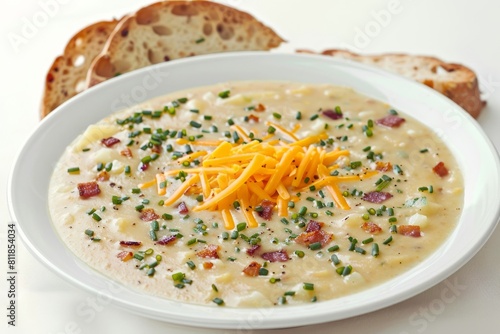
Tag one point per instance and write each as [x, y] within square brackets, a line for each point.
[476, 156]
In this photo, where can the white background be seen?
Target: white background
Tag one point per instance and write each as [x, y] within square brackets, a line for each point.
[457, 31]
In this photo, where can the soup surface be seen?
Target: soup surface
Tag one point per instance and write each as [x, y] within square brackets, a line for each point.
[252, 194]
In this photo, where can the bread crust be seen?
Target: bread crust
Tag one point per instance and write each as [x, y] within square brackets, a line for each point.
[455, 81]
[169, 30]
[67, 74]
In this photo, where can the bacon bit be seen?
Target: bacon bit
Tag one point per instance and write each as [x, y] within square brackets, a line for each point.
[252, 250]
[183, 209]
[148, 215]
[314, 226]
[108, 142]
[126, 153]
[103, 176]
[157, 149]
[332, 114]
[376, 196]
[207, 265]
[260, 108]
[125, 255]
[210, 251]
[440, 169]
[252, 269]
[267, 211]
[371, 228]
[167, 239]
[409, 230]
[130, 243]
[383, 166]
[391, 121]
[308, 238]
[254, 118]
[277, 256]
[143, 167]
[88, 189]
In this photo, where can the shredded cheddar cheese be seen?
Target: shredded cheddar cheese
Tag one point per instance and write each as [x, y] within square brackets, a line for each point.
[251, 171]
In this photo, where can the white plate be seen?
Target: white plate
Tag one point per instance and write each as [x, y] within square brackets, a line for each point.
[28, 183]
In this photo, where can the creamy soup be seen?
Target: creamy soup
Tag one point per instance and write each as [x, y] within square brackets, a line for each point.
[251, 194]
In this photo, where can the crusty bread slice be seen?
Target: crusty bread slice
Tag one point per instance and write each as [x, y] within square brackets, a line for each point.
[169, 30]
[66, 76]
[455, 81]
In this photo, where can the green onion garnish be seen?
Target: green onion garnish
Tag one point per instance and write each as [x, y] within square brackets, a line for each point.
[375, 250]
[224, 94]
[74, 170]
[388, 240]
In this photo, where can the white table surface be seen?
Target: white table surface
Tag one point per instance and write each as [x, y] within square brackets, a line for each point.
[459, 31]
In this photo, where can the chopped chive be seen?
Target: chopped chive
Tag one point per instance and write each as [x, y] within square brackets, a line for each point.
[299, 253]
[315, 246]
[155, 226]
[355, 164]
[367, 241]
[74, 170]
[195, 124]
[335, 259]
[273, 280]
[178, 277]
[393, 229]
[375, 250]
[263, 272]
[398, 170]
[167, 216]
[224, 94]
[214, 287]
[313, 117]
[289, 293]
[298, 116]
[90, 233]
[152, 235]
[424, 150]
[276, 115]
[96, 217]
[393, 220]
[308, 286]
[200, 40]
[347, 270]
[271, 129]
[241, 226]
[388, 240]
[303, 211]
[333, 248]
